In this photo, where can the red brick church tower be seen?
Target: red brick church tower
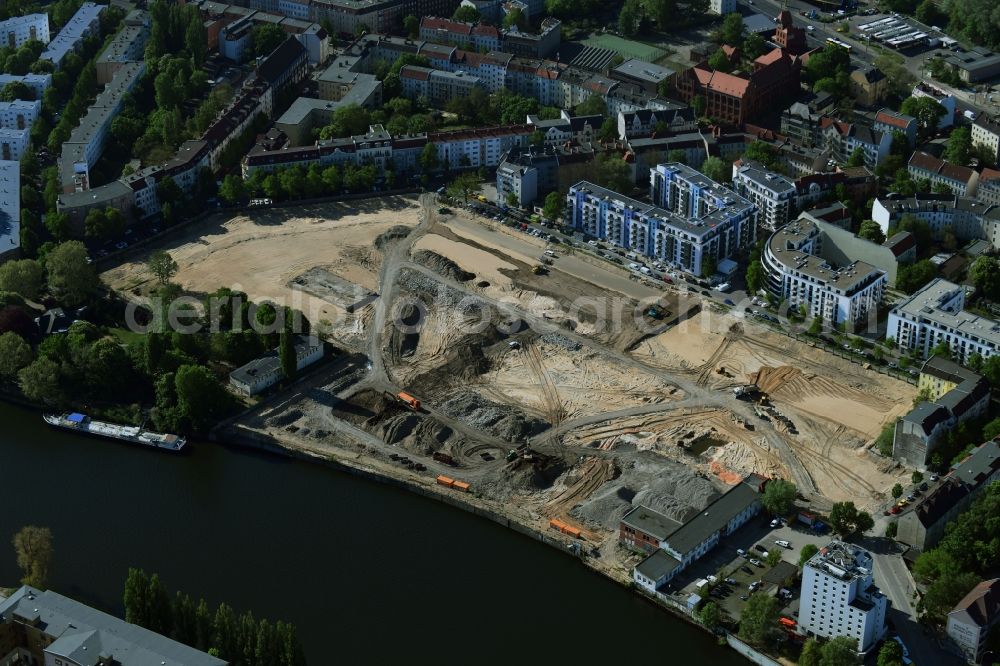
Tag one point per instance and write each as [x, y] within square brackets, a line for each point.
[789, 37]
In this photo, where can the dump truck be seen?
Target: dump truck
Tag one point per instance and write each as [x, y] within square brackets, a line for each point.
[444, 458]
[409, 401]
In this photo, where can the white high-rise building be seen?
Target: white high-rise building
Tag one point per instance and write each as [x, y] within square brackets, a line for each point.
[839, 597]
[771, 192]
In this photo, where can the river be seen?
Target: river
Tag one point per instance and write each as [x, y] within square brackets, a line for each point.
[368, 573]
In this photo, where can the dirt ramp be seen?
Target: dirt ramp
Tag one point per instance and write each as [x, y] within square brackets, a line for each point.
[772, 380]
[390, 236]
[442, 265]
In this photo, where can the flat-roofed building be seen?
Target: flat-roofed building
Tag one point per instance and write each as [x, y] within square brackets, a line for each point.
[771, 192]
[264, 372]
[127, 46]
[10, 209]
[17, 30]
[437, 86]
[986, 132]
[14, 143]
[19, 114]
[84, 23]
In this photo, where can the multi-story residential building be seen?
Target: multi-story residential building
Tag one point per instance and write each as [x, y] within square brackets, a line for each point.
[17, 30]
[962, 180]
[285, 66]
[988, 190]
[236, 40]
[934, 314]
[37, 82]
[307, 113]
[10, 209]
[986, 132]
[264, 372]
[888, 121]
[567, 129]
[85, 22]
[923, 526]
[643, 74]
[966, 218]
[219, 16]
[800, 268]
[869, 85]
[541, 44]
[459, 149]
[841, 139]
[801, 125]
[475, 36]
[47, 628]
[14, 143]
[839, 596]
[19, 114]
[969, 623]
[643, 123]
[697, 224]
[722, 7]
[528, 175]
[86, 142]
[437, 86]
[955, 395]
[650, 531]
[772, 193]
[127, 46]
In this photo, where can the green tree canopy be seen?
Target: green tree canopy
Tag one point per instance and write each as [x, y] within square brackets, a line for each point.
[870, 230]
[15, 354]
[985, 274]
[266, 38]
[71, 277]
[466, 13]
[731, 31]
[554, 206]
[759, 620]
[779, 497]
[846, 519]
[717, 170]
[926, 110]
[806, 553]
[959, 150]
[33, 546]
[840, 651]
[25, 277]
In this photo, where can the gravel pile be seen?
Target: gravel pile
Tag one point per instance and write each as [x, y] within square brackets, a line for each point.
[442, 265]
[556, 339]
[502, 421]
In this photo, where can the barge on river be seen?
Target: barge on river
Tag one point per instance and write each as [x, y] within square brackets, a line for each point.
[85, 425]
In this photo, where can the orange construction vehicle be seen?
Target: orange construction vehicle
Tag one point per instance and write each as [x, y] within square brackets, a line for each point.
[409, 401]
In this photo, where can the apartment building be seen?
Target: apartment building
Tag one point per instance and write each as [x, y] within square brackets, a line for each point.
[127, 46]
[219, 16]
[722, 7]
[643, 123]
[988, 190]
[437, 86]
[474, 36]
[772, 193]
[969, 623]
[934, 314]
[986, 132]
[85, 22]
[889, 121]
[14, 143]
[37, 82]
[955, 395]
[839, 597]
[962, 180]
[17, 30]
[541, 44]
[966, 218]
[841, 139]
[694, 231]
[649, 531]
[868, 85]
[47, 628]
[803, 267]
[19, 114]
[10, 209]
[567, 129]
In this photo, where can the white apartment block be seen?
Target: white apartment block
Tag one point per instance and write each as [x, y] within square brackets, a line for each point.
[798, 271]
[10, 209]
[697, 224]
[969, 623]
[839, 597]
[19, 114]
[14, 143]
[722, 7]
[935, 314]
[14, 32]
[37, 82]
[967, 218]
[771, 192]
[986, 133]
[85, 22]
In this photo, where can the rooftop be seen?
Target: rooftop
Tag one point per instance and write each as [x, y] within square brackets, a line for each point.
[75, 30]
[650, 522]
[10, 206]
[927, 303]
[644, 71]
[842, 561]
[768, 180]
[979, 465]
[657, 565]
[981, 605]
[713, 517]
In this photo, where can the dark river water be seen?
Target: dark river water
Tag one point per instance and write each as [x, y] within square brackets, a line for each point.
[368, 573]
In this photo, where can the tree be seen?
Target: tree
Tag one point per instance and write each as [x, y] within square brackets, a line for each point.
[429, 158]
[699, 104]
[857, 157]
[232, 190]
[286, 354]
[411, 24]
[464, 185]
[710, 615]
[811, 654]
[41, 381]
[719, 60]
[731, 31]
[162, 266]
[773, 557]
[33, 546]
[17, 90]
[926, 110]
[266, 38]
[554, 206]
[928, 14]
[71, 277]
[755, 277]
[613, 173]
[25, 277]
[515, 18]
[15, 354]
[891, 529]
[200, 398]
[592, 106]
[870, 230]
[910, 278]
[759, 619]
[779, 497]
[806, 553]
[136, 597]
[917, 476]
[716, 169]
[897, 491]
[985, 274]
[840, 651]
[754, 46]
[846, 519]
[630, 18]
[959, 150]
[891, 654]
[466, 14]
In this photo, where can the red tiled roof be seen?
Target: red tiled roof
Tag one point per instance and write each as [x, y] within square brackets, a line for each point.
[921, 160]
[487, 30]
[728, 84]
[891, 119]
[415, 73]
[982, 603]
[454, 27]
[988, 174]
[772, 56]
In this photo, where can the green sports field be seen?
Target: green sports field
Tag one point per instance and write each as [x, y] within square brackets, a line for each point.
[626, 47]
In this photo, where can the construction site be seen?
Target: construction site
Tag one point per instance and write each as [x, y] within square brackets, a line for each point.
[558, 394]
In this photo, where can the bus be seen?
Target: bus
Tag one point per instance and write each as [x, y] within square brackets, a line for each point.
[836, 42]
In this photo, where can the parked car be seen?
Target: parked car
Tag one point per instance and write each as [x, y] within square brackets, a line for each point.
[783, 543]
[731, 581]
[741, 552]
[776, 522]
[756, 562]
[761, 548]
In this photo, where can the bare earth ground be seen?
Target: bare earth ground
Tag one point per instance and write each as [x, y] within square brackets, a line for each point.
[612, 415]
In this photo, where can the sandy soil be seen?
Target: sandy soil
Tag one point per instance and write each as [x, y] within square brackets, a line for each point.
[261, 252]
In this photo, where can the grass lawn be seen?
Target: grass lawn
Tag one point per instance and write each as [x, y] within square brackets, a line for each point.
[626, 47]
[126, 336]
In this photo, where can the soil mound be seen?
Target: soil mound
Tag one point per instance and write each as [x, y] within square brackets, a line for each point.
[390, 236]
[503, 421]
[771, 380]
[442, 265]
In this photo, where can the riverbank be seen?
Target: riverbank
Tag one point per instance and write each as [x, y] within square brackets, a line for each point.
[373, 469]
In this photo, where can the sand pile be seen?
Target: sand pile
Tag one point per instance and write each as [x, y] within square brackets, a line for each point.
[442, 265]
[771, 380]
[503, 421]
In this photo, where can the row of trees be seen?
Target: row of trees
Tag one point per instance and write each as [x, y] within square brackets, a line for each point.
[639, 15]
[241, 640]
[299, 182]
